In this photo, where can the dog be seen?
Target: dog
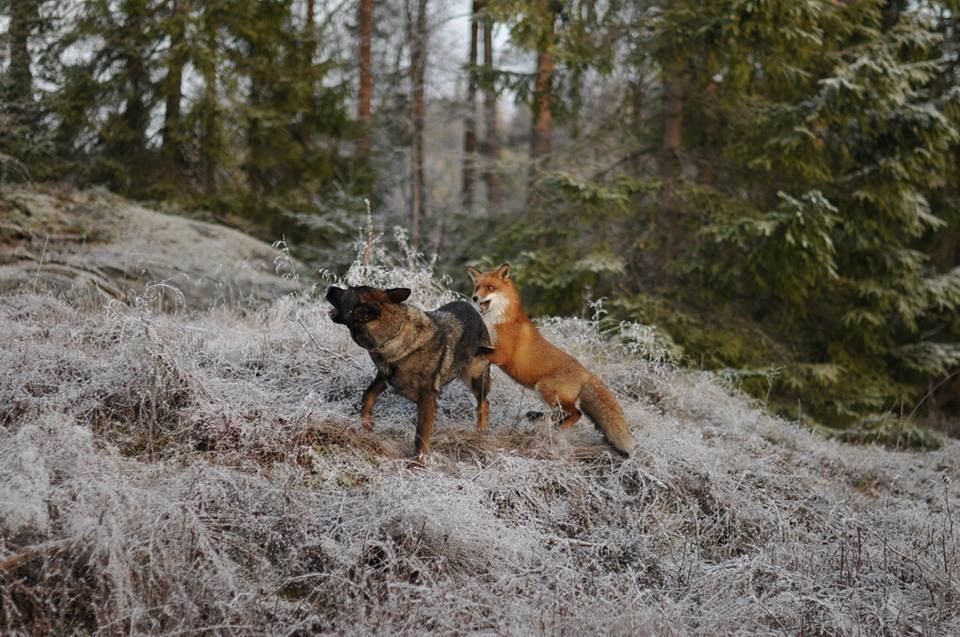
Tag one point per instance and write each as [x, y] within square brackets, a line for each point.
[417, 353]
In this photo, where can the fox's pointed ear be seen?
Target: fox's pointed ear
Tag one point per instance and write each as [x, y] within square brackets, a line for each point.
[397, 295]
[504, 272]
[474, 273]
[334, 294]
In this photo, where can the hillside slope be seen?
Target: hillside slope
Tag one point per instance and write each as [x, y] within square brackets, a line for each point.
[94, 246]
[184, 472]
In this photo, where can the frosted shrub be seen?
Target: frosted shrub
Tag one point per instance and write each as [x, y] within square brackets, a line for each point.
[176, 473]
[377, 267]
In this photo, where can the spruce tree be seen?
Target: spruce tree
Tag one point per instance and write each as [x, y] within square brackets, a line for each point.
[833, 237]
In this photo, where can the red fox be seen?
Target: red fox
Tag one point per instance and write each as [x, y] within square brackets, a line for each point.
[531, 360]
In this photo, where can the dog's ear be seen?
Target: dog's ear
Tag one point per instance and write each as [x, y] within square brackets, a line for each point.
[334, 294]
[397, 295]
[474, 273]
[504, 272]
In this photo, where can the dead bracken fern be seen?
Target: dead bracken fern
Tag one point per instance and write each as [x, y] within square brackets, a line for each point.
[203, 472]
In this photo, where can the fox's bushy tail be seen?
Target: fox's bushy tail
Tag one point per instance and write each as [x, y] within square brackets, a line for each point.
[599, 403]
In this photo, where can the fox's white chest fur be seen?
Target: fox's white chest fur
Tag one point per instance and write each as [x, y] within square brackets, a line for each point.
[493, 309]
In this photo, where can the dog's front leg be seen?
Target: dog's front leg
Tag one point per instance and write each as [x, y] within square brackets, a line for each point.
[426, 414]
[480, 385]
[369, 400]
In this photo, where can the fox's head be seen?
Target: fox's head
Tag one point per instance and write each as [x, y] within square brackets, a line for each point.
[494, 292]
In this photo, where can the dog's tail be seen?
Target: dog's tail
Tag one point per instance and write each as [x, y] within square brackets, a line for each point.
[602, 407]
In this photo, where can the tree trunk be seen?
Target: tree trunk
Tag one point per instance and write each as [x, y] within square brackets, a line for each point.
[711, 125]
[418, 66]
[253, 171]
[670, 165]
[470, 117]
[636, 103]
[542, 116]
[542, 124]
[130, 148]
[23, 17]
[891, 12]
[365, 99]
[310, 46]
[491, 148]
[173, 87]
[210, 144]
[302, 128]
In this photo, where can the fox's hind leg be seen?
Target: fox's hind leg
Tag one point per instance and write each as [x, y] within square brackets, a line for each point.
[369, 400]
[571, 413]
[480, 386]
[568, 406]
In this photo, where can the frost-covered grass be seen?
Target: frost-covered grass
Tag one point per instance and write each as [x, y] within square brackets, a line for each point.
[195, 473]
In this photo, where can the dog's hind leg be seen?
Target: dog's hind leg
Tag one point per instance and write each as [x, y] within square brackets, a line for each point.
[369, 400]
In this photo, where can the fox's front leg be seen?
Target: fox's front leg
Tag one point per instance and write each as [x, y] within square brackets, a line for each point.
[369, 400]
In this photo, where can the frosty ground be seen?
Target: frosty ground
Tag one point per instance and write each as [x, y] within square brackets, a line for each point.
[166, 470]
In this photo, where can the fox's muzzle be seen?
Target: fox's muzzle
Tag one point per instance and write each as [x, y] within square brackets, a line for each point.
[483, 306]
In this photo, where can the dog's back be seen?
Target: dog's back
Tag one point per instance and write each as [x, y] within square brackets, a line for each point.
[464, 329]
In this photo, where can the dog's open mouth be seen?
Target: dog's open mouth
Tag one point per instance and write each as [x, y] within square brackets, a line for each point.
[484, 306]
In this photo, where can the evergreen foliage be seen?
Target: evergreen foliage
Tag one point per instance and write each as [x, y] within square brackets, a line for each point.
[837, 262]
[818, 143]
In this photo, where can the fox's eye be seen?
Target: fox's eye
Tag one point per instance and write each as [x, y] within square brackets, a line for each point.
[489, 288]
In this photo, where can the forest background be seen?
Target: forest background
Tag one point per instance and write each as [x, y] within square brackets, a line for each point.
[772, 184]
